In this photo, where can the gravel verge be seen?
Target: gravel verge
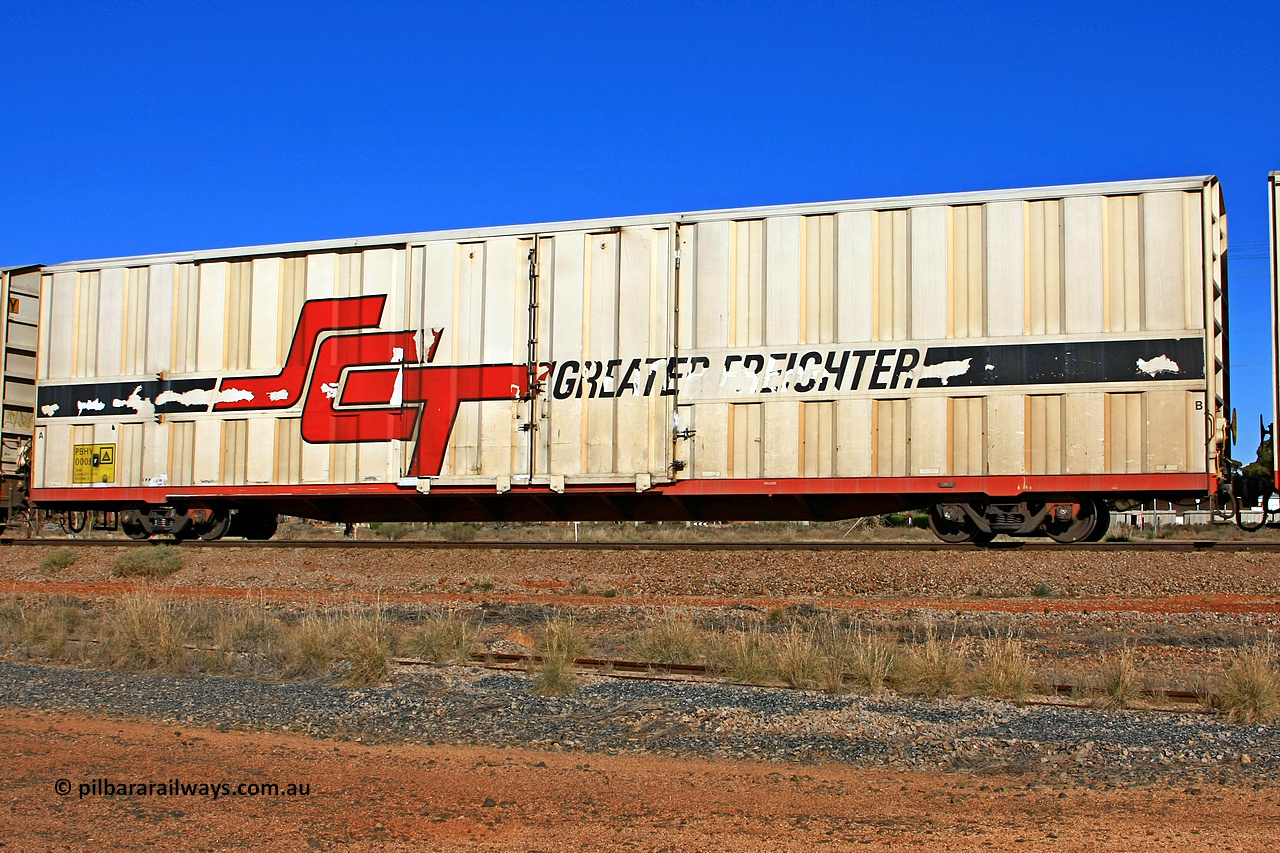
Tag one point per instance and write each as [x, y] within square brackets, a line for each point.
[647, 575]
[472, 706]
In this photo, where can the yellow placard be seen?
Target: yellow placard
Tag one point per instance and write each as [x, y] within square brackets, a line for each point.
[93, 463]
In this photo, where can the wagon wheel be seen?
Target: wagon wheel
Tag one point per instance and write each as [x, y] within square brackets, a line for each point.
[132, 525]
[261, 527]
[218, 527]
[957, 532]
[1078, 529]
[1103, 523]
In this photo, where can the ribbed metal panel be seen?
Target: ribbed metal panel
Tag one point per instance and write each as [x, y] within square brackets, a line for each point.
[776, 342]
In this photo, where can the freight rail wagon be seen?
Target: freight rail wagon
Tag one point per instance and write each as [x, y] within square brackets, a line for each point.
[1010, 360]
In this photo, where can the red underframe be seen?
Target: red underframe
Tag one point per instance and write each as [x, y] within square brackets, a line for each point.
[1012, 486]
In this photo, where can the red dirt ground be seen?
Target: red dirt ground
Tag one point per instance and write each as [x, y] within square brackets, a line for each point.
[409, 797]
[434, 798]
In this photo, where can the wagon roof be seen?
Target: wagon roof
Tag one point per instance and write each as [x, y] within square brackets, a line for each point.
[807, 208]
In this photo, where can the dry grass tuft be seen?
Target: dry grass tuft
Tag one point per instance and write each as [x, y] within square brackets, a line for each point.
[799, 660]
[248, 629]
[836, 646]
[554, 675]
[931, 666]
[153, 562]
[365, 648]
[44, 630]
[56, 561]
[458, 532]
[674, 639]
[1119, 680]
[872, 662]
[52, 626]
[393, 530]
[1005, 670]
[561, 636]
[311, 645]
[558, 645]
[145, 633]
[744, 657]
[240, 638]
[353, 645]
[855, 657]
[12, 615]
[1251, 693]
[444, 638]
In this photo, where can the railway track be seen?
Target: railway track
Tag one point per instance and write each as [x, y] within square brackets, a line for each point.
[1180, 700]
[1170, 699]
[1166, 546]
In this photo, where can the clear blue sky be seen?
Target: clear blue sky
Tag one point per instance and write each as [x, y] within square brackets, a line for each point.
[139, 127]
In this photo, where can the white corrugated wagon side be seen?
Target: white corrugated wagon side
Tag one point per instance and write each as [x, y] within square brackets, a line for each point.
[1010, 359]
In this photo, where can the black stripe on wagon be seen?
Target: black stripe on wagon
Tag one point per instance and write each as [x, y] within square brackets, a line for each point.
[119, 399]
[1069, 362]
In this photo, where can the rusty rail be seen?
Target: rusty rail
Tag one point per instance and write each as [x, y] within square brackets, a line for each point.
[1162, 546]
[1184, 701]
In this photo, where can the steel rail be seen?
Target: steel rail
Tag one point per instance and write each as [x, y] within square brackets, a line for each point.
[1163, 546]
[649, 671]
[645, 671]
